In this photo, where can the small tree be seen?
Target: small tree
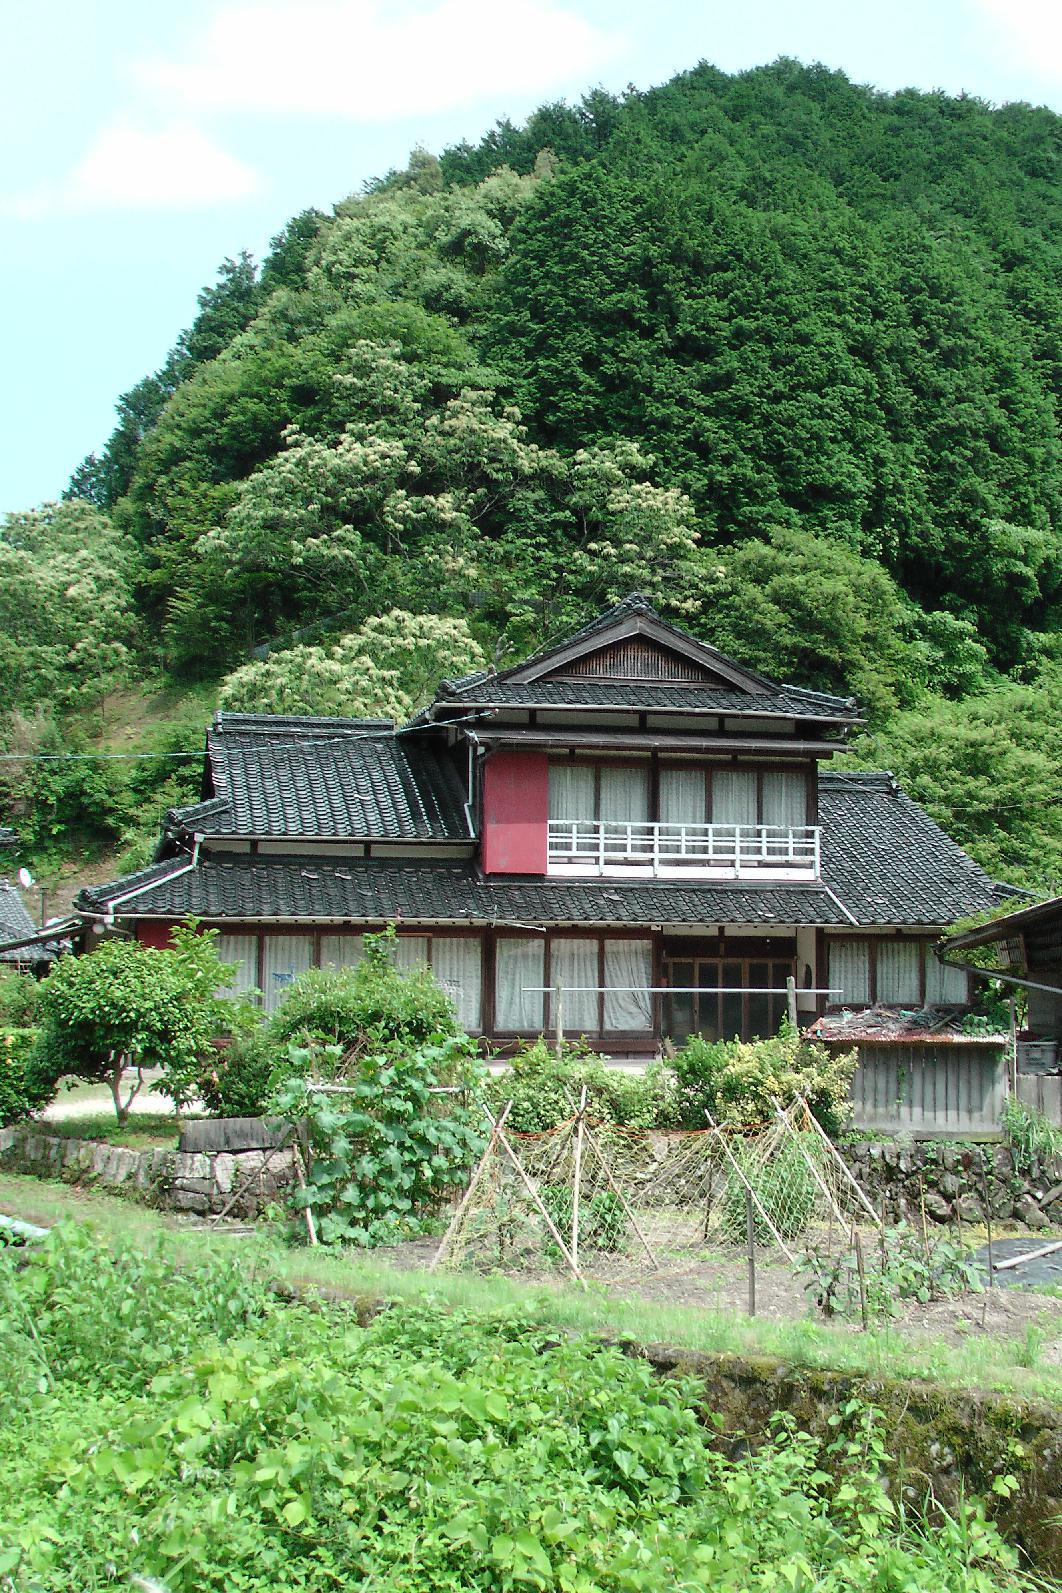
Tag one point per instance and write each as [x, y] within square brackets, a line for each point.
[130, 1006]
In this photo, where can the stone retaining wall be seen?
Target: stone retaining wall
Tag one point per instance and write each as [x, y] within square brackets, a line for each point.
[196, 1182]
[957, 1181]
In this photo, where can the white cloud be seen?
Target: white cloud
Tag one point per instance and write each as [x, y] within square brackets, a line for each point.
[132, 166]
[367, 60]
[1030, 32]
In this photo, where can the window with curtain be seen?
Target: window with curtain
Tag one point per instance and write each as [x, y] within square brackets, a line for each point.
[785, 798]
[571, 791]
[944, 986]
[411, 951]
[682, 796]
[624, 795]
[849, 972]
[629, 963]
[457, 963]
[517, 964]
[241, 949]
[733, 797]
[341, 951]
[574, 963]
[285, 957]
[899, 964]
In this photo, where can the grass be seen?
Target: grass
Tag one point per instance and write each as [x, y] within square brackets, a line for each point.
[143, 1131]
[987, 1363]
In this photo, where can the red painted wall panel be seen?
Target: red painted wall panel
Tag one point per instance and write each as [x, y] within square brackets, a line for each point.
[154, 932]
[515, 812]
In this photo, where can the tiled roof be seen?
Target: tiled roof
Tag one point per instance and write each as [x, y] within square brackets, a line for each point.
[16, 924]
[887, 860]
[377, 890]
[788, 702]
[312, 779]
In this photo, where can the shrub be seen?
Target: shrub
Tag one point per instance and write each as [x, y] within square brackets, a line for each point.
[372, 1003]
[544, 1088]
[23, 1091]
[18, 1000]
[237, 1080]
[603, 1222]
[735, 1080]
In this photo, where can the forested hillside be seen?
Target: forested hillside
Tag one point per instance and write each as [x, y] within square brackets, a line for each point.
[781, 352]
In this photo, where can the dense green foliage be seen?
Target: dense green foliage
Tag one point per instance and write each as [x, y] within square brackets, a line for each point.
[738, 1081]
[24, 1090]
[129, 1006]
[221, 1440]
[545, 1089]
[780, 351]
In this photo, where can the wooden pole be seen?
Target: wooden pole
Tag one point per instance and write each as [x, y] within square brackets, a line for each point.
[840, 1161]
[311, 1226]
[249, 1180]
[617, 1191]
[776, 1236]
[750, 1240]
[578, 1173]
[861, 1269]
[536, 1199]
[988, 1226]
[784, 1118]
[790, 1000]
[473, 1185]
[558, 1019]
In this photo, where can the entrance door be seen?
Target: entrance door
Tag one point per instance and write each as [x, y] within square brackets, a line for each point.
[729, 1001]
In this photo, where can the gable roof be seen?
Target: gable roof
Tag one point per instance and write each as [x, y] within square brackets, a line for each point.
[314, 779]
[16, 924]
[700, 679]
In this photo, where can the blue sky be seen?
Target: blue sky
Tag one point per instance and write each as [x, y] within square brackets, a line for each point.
[143, 143]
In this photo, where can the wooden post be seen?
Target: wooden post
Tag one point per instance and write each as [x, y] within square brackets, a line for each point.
[772, 1230]
[242, 1188]
[558, 1019]
[311, 1226]
[473, 1185]
[790, 998]
[578, 1173]
[750, 1240]
[536, 1198]
[861, 1269]
[988, 1226]
[842, 1165]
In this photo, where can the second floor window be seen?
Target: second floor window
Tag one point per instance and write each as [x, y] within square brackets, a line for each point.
[622, 794]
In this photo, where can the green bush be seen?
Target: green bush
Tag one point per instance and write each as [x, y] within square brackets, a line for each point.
[603, 1222]
[543, 1088]
[18, 1000]
[373, 1003]
[24, 1090]
[785, 1188]
[236, 1080]
[736, 1080]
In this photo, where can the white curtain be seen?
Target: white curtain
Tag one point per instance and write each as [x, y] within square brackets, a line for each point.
[571, 791]
[733, 797]
[574, 962]
[411, 951]
[682, 796]
[849, 973]
[342, 951]
[944, 986]
[785, 799]
[285, 958]
[899, 964]
[519, 963]
[241, 949]
[457, 963]
[624, 795]
[629, 962]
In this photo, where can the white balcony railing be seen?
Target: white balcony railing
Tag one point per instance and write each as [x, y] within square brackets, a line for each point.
[672, 851]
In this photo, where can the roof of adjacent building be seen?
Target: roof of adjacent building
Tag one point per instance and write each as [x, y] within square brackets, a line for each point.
[890, 1025]
[16, 924]
[317, 779]
[369, 890]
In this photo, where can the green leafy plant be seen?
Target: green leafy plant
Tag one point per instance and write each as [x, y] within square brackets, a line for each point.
[603, 1223]
[736, 1080]
[23, 1089]
[236, 1080]
[388, 1150]
[18, 1000]
[1031, 1136]
[544, 1088]
[904, 1265]
[784, 1187]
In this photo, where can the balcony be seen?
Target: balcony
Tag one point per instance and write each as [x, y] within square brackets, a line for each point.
[592, 847]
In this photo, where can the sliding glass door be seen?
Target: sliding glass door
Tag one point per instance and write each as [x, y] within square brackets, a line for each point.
[735, 997]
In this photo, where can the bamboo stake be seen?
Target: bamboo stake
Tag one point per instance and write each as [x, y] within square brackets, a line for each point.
[579, 1124]
[861, 1269]
[558, 1019]
[779, 1241]
[834, 1209]
[790, 1000]
[750, 1240]
[473, 1185]
[537, 1199]
[311, 1226]
[841, 1163]
[249, 1180]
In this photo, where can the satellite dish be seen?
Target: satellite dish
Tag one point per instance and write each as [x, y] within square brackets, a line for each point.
[25, 879]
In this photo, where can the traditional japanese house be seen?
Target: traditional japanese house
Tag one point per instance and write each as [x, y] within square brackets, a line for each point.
[628, 815]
